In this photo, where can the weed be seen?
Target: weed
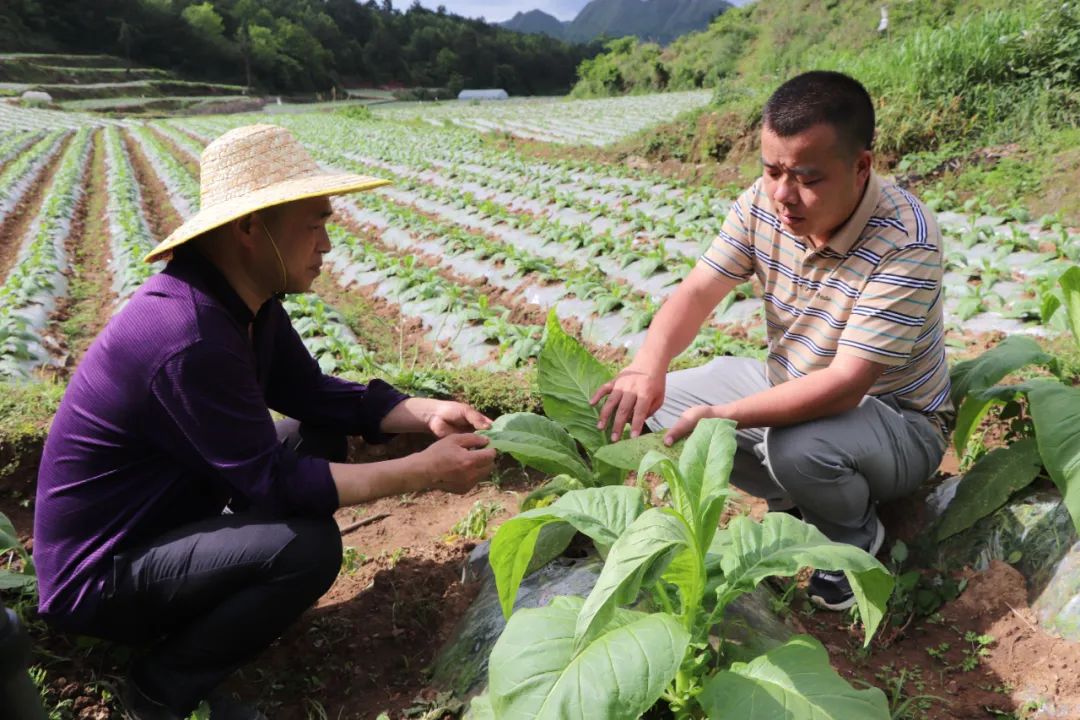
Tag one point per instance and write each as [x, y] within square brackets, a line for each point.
[978, 648]
[352, 560]
[898, 683]
[939, 652]
[475, 524]
[393, 558]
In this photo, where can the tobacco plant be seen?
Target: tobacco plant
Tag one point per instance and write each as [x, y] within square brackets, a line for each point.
[595, 657]
[1043, 415]
[563, 442]
[643, 633]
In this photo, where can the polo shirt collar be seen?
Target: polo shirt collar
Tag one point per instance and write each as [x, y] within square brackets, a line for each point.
[193, 264]
[845, 238]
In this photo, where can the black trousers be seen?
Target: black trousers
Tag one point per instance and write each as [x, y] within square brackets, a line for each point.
[208, 597]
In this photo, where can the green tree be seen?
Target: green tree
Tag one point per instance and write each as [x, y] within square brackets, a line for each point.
[205, 21]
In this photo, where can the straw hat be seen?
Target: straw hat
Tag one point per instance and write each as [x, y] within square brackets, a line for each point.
[251, 168]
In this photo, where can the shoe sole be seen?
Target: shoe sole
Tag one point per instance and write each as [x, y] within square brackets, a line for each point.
[836, 607]
[879, 540]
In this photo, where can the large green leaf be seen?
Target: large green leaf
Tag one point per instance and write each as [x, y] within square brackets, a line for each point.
[16, 581]
[1070, 287]
[1055, 408]
[536, 673]
[989, 483]
[480, 708]
[9, 539]
[971, 378]
[646, 547]
[975, 407]
[660, 464]
[539, 443]
[781, 545]
[705, 469]
[792, 682]
[628, 454]
[568, 376]
[1011, 354]
[601, 513]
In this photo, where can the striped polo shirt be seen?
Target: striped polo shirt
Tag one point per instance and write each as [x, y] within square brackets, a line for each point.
[874, 291]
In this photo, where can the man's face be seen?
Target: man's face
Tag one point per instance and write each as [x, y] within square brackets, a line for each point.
[813, 182]
[299, 229]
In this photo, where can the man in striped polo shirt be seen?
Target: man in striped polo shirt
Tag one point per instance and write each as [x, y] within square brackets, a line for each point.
[852, 406]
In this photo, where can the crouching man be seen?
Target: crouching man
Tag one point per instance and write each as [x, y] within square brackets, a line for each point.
[171, 512]
[852, 405]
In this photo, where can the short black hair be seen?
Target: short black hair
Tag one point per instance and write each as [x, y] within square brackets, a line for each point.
[823, 96]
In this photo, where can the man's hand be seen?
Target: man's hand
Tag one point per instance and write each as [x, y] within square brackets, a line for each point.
[457, 462]
[635, 394]
[689, 420]
[454, 464]
[446, 418]
[439, 417]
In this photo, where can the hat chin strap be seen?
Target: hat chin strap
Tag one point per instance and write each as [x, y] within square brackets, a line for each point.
[281, 263]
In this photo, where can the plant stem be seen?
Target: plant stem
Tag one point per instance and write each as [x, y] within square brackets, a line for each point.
[664, 599]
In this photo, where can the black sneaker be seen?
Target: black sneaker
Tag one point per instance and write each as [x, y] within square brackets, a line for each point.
[830, 589]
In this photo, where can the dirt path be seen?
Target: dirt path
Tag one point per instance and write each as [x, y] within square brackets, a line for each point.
[83, 311]
[157, 206]
[184, 158]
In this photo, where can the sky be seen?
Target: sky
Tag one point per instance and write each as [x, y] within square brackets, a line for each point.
[499, 10]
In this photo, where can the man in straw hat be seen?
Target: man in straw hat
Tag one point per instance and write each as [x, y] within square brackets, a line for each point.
[166, 424]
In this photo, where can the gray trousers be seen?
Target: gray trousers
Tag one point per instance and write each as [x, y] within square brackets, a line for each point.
[833, 469]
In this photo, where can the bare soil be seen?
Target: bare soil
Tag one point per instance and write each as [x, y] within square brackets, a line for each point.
[1020, 667]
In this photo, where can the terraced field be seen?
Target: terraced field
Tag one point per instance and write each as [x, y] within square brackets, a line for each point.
[467, 250]
[456, 266]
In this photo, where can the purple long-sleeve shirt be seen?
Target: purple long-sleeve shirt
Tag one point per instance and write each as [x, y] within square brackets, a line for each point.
[168, 417]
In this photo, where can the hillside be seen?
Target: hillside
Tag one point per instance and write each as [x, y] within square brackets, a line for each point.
[305, 46]
[652, 20]
[983, 91]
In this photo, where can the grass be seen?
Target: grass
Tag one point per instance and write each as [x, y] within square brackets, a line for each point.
[26, 409]
[949, 78]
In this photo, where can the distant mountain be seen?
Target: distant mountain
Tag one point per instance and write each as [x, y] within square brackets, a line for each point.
[535, 21]
[658, 20]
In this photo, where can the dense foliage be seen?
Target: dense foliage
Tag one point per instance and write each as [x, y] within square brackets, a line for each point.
[941, 71]
[299, 45]
[670, 561]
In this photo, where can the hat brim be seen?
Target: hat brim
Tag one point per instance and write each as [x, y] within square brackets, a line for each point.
[296, 189]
